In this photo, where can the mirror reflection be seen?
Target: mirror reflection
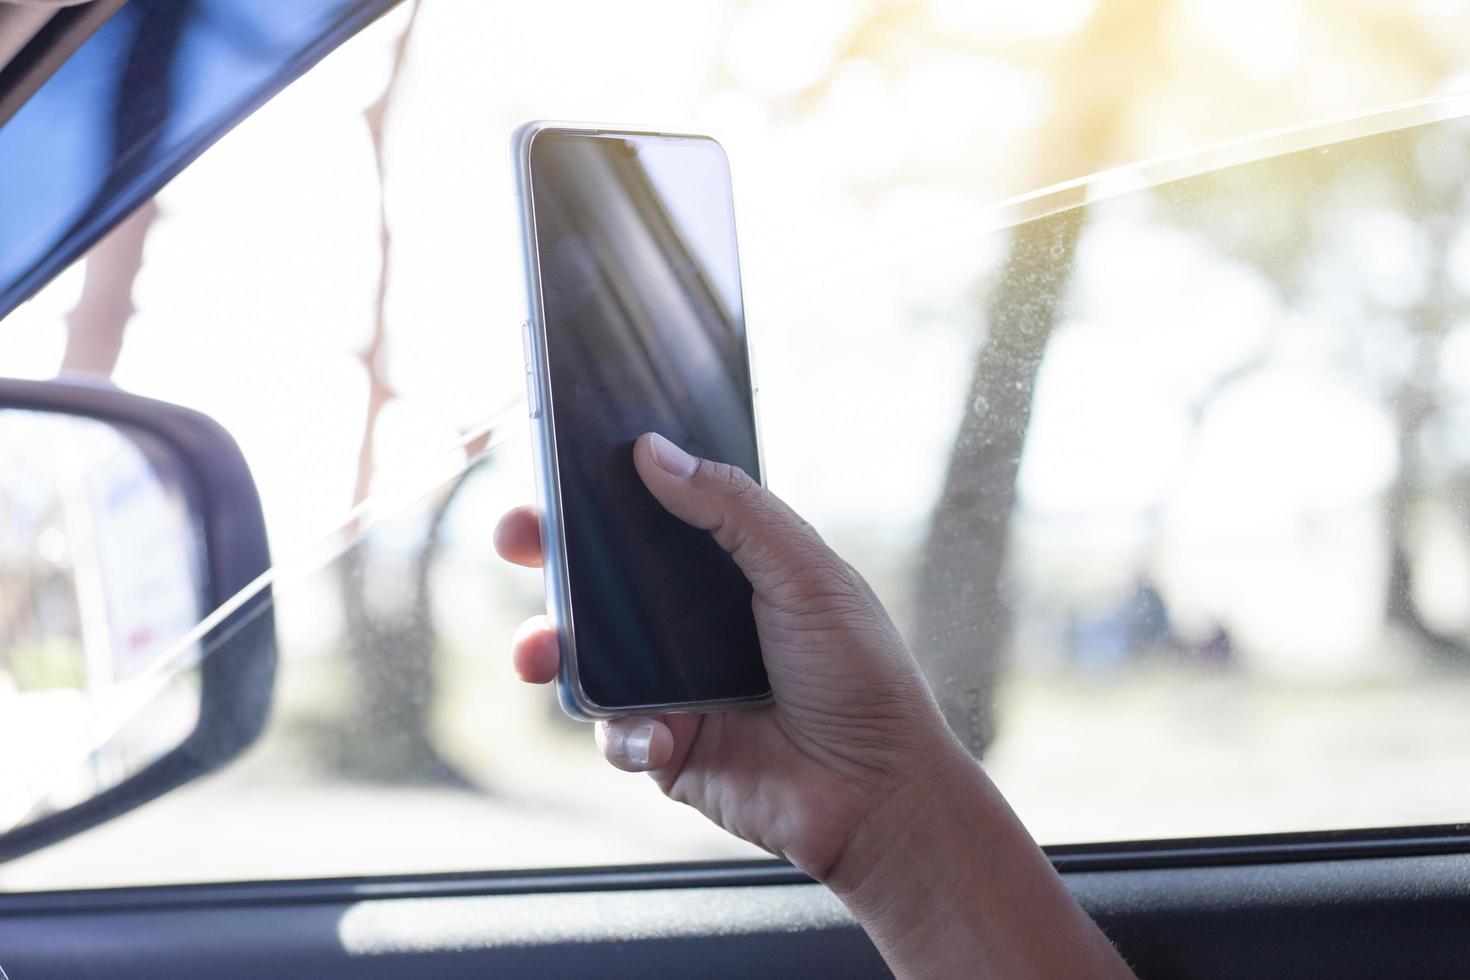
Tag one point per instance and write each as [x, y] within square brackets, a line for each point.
[100, 573]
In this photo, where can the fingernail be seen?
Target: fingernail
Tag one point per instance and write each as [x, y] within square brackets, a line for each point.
[639, 745]
[670, 458]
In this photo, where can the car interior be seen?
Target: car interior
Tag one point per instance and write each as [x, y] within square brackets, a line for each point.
[1163, 468]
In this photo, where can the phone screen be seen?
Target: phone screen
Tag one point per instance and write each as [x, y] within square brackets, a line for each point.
[645, 332]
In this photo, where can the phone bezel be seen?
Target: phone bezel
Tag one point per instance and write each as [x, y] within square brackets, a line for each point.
[574, 699]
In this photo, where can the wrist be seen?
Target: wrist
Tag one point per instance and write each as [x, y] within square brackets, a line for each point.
[947, 882]
[915, 816]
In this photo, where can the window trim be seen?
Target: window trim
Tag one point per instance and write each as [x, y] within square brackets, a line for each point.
[1198, 852]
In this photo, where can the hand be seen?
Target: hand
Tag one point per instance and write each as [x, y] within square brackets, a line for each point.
[852, 722]
[850, 773]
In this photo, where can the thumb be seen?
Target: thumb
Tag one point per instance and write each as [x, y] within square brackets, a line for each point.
[775, 548]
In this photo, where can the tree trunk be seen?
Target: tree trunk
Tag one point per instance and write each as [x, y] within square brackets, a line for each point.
[95, 326]
[1435, 203]
[1413, 407]
[962, 619]
[387, 735]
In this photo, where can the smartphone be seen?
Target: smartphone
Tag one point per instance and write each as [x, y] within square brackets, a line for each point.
[635, 324]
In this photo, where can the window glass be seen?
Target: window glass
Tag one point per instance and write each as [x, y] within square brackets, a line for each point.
[1166, 486]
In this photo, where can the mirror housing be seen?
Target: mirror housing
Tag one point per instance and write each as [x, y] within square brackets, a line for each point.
[236, 671]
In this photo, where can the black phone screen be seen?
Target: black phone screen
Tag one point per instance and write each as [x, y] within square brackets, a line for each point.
[645, 332]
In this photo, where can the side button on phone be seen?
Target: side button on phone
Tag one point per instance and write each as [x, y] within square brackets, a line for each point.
[533, 397]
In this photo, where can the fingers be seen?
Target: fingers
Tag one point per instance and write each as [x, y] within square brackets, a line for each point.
[534, 651]
[635, 744]
[518, 537]
[768, 541]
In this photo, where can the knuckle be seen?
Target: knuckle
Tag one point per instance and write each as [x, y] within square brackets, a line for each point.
[844, 575]
[842, 580]
[728, 480]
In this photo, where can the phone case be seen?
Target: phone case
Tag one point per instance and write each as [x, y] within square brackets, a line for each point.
[573, 698]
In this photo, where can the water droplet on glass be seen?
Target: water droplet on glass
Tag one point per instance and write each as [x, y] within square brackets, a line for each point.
[980, 405]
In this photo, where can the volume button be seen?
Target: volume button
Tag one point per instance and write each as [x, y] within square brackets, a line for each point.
[533, 395]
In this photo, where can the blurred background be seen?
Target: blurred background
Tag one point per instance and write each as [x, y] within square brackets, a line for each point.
[1168, 489]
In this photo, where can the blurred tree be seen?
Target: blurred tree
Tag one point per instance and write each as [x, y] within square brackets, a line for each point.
[390, 637]
[1298, 211]
[1434, 197]
[1103, 79]
[1292, 205]
[962, 622]
[95, 326]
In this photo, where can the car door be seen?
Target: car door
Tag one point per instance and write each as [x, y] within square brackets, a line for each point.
[1161, 472]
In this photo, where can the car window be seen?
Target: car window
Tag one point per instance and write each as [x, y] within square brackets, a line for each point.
[1163, 476]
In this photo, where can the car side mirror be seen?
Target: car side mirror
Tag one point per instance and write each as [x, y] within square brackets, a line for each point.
[134, 657]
